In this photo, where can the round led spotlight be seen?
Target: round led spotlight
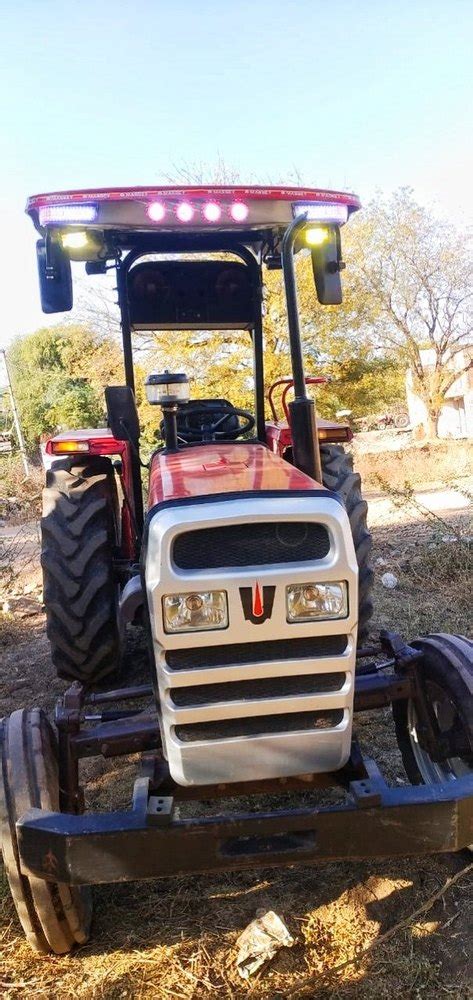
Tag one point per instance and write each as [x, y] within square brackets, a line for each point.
[75, 240]
[316, 236]
[156, 211]
[239, 211]
[185, 212]
[211, 211]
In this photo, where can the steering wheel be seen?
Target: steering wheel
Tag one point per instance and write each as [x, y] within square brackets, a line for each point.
[214, 430]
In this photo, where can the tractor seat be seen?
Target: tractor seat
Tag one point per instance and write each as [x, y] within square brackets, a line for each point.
[190, 417]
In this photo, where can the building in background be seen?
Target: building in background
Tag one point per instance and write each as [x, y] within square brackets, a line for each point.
[456, 415]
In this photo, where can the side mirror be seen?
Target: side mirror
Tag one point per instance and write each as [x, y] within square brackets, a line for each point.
[122, 413]
[55, 278]
[326, 265]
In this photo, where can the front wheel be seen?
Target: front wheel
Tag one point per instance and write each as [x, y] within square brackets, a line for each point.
[338, 475]
[55, 917]
[447, 667]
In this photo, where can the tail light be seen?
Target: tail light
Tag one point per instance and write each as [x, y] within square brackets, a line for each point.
[67, 447]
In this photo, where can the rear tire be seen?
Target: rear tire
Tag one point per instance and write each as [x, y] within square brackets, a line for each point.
[79, 532]
[55, 917]
[338, 475]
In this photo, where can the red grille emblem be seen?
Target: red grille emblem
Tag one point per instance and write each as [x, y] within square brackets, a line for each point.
[257, 603]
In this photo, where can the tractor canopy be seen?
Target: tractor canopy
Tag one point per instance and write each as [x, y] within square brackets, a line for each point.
[153, 238]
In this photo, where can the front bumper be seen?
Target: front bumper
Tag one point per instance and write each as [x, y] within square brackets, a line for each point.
[147, 842]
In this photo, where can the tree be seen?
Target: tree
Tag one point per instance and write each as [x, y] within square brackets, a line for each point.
[418, 275]
[59, 374]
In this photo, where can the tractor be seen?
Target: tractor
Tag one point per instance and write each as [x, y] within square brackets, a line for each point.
[249, 574]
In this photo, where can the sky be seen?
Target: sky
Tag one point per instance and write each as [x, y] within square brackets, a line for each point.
[359, 95]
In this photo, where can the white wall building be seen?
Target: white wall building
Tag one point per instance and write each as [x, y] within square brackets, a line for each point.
[456, 416]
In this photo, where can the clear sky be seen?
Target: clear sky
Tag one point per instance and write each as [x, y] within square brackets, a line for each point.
[357, 94]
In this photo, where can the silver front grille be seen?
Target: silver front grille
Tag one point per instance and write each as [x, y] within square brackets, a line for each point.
[253, 701]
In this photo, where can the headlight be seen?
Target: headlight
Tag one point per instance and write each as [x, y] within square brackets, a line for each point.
[195, 612]
[307, 602]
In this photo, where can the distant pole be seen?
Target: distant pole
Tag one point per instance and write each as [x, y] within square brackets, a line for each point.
[16, 419]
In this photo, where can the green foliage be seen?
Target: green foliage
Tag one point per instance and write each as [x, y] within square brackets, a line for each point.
[363, 385]
[58, 375]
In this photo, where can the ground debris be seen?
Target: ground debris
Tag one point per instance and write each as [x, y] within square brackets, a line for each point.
[260, 942]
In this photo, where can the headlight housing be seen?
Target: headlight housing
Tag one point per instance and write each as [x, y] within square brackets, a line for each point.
[196, 611]
[306, 602]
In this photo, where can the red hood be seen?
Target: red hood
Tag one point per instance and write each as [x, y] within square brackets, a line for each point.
[222, 468]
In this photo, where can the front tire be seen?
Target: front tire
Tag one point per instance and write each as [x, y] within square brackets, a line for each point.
[447, 667]
[55, 917]
[338, 475]
[79, 530]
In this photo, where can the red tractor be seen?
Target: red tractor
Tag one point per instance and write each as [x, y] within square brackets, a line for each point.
[249, 573]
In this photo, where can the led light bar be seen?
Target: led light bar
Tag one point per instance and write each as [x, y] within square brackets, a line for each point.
[193, 207]
[337, 214]
[187, 211]
[67, 214]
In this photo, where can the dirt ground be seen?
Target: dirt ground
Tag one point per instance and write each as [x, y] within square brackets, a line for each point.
[369, 931]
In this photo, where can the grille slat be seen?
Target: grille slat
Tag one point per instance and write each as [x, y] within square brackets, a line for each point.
[262, 725]
[255, 544]
[256, 652]
[267, 687]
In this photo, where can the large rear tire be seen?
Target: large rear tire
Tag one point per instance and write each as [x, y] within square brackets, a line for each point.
[338, 475]
[55, 917]
[79, 531]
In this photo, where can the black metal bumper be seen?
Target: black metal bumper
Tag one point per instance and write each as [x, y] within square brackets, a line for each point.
[147, 842]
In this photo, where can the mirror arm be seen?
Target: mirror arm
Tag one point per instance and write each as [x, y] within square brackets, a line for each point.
[50, 270]
[305, 445]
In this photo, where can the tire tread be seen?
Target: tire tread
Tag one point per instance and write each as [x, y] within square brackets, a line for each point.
[338, 475]
[78, 537]
[54, 917]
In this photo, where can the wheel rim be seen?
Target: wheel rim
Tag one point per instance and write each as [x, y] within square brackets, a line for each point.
[433, 772]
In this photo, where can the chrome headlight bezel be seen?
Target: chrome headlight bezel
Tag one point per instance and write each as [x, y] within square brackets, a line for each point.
[298, 595]
[214, 603]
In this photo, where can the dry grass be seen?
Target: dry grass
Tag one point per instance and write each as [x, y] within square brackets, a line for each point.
[20, 495]
[420, 465]
[176, 939]
[368, 931]
[434, 591]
